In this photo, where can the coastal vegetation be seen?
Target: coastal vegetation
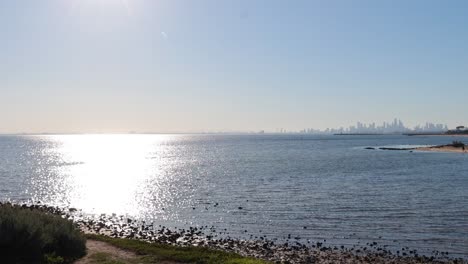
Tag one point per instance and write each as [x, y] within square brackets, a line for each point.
[459, 131]
[458, 144]
[28, 235]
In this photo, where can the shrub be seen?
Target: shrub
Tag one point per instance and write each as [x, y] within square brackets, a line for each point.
[458, 144]
[32, 236]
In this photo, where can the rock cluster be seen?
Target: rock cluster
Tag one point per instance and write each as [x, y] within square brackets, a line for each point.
[205, 236]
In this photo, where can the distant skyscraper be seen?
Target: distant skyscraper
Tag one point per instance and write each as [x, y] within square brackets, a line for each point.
[395, 127]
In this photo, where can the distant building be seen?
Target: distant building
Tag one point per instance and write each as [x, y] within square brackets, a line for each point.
[394, 127]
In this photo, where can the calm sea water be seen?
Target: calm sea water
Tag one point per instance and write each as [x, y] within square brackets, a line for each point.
[315, 187]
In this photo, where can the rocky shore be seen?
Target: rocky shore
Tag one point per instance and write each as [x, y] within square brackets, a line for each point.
[288, 252]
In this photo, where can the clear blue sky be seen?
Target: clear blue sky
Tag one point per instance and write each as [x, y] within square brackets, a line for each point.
[170, 65]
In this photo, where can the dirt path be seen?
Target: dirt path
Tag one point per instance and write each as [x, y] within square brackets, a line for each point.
[102, 252]
[96, 248]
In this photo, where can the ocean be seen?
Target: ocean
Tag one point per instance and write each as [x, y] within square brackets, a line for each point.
[306, 187]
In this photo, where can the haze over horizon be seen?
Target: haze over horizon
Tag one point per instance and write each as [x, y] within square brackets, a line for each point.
[113, 66]
[385, 127]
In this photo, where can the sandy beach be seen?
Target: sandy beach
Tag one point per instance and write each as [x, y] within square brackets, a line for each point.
[446, 148]
[437, 135]
[438, 148]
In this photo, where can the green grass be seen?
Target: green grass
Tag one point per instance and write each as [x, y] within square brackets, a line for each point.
[154, 253]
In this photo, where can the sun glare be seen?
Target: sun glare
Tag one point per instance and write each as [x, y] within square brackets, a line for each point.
[107, 172]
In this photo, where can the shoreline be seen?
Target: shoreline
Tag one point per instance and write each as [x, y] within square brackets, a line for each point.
[444, 148]
[439, 148]
[437, 135]
[261, 248]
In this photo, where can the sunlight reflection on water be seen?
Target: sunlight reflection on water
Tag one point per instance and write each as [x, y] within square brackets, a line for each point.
[109, 173]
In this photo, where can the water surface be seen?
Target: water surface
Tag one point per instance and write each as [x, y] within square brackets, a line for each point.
[314, 187]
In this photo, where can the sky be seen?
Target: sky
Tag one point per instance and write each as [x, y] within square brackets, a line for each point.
[113, 66]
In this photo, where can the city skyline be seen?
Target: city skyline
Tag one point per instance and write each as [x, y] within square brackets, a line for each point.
[396, 126]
